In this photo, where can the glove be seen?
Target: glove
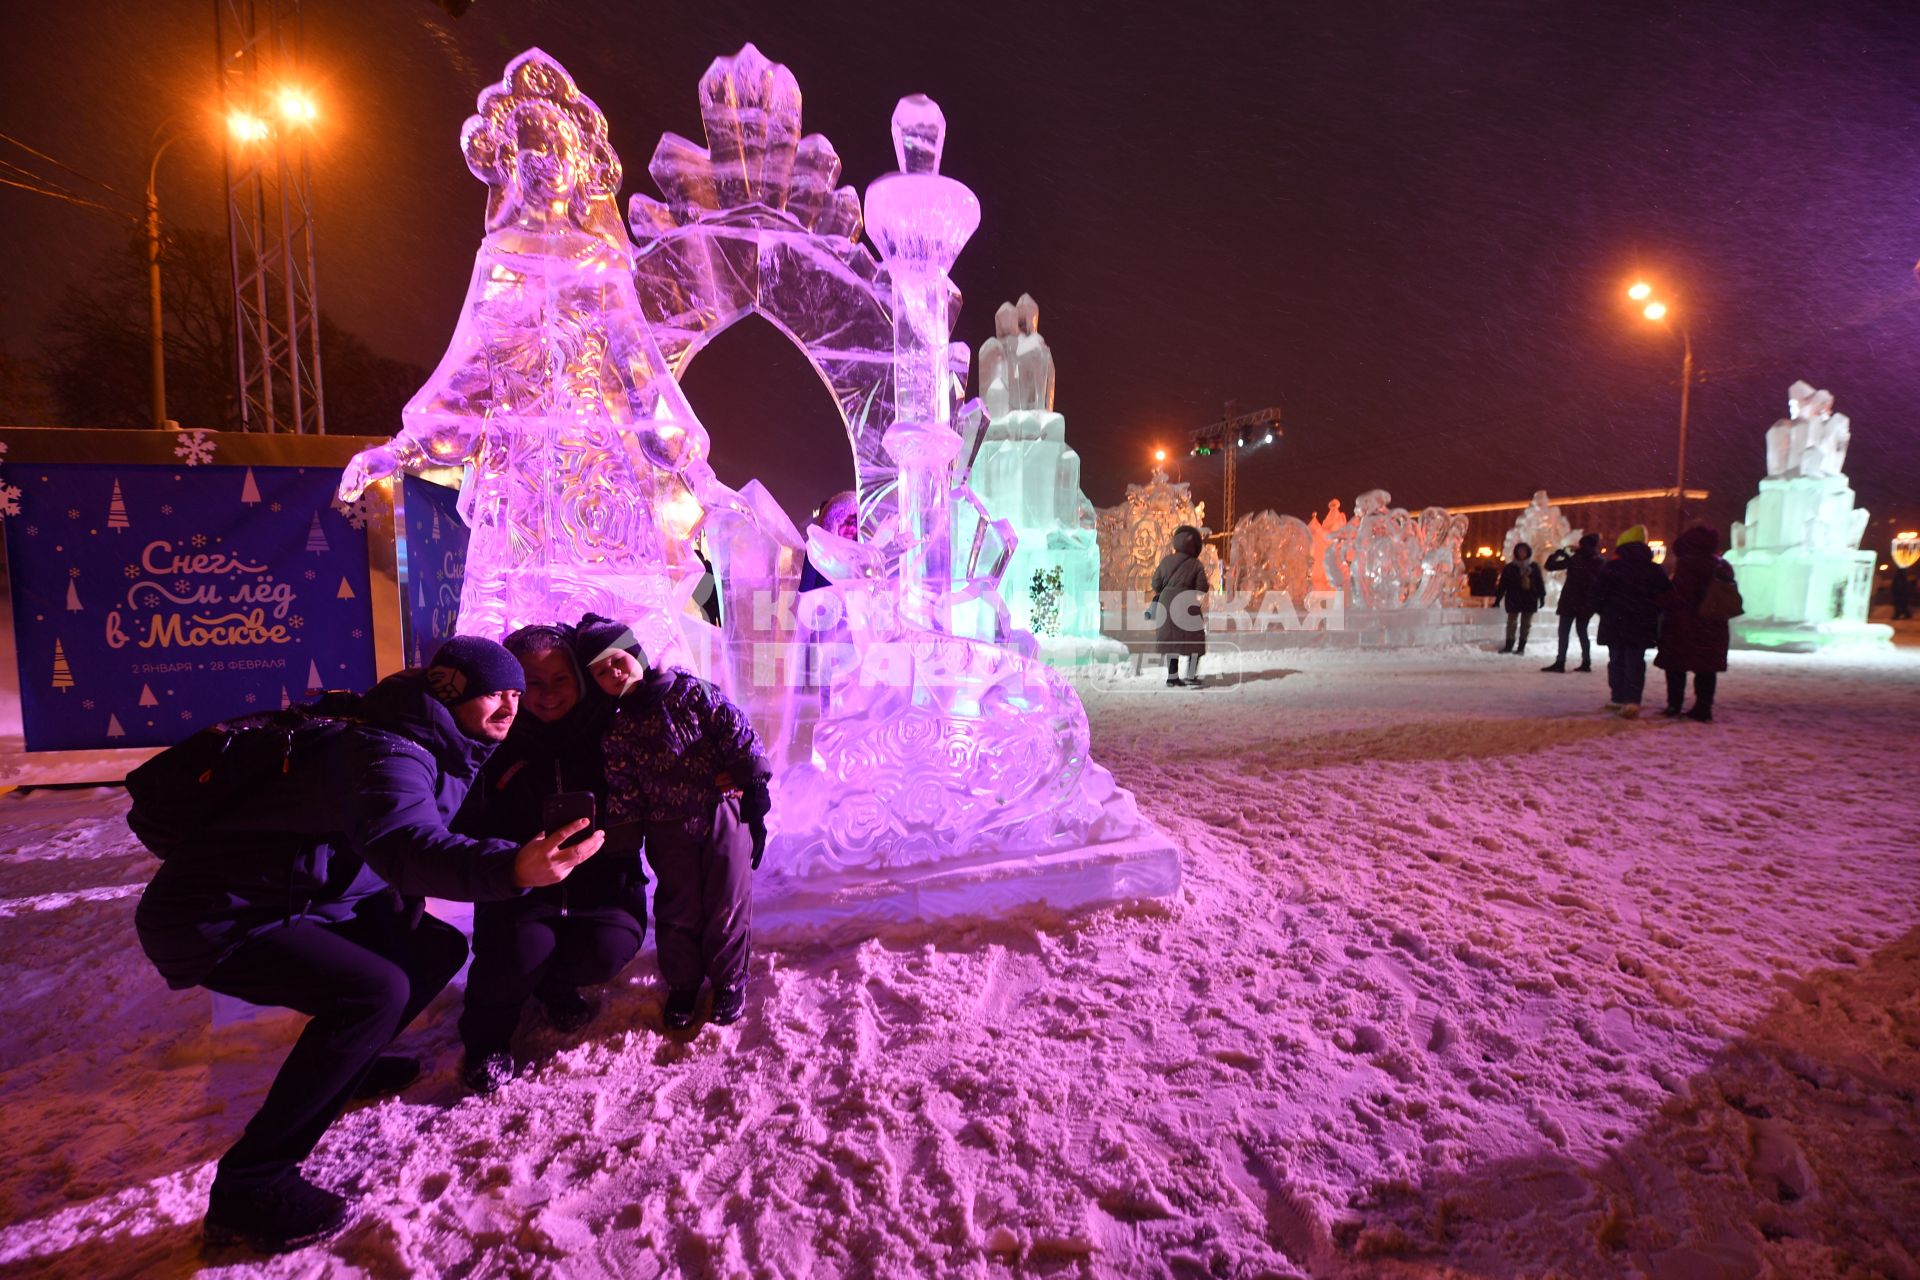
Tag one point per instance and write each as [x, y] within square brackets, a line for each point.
[756, 802]
[758, 828]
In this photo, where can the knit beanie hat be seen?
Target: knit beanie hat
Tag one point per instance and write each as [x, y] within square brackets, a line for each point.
[595, 637]
[468, 667]
[1636, 534]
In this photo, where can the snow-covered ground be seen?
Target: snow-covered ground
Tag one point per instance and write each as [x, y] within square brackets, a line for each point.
[1465, 978]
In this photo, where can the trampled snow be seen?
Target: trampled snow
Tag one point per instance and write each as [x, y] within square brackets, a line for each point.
[1464, 977]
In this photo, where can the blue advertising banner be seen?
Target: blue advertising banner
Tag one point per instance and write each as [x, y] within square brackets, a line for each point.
[152, 600]
[433, 565]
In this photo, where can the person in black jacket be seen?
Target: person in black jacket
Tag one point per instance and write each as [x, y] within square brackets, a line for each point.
[683, 765]
[1179, 607]
[1627, 596]
[1524, 589]
[307, 895]
[551, 941]
[1582, 566]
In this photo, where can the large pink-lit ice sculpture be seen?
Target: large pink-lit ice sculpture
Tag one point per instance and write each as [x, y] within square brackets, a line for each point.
[586, 471]
[946, 772]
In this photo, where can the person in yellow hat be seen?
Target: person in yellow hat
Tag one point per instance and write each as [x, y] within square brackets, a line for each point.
[1626, 596]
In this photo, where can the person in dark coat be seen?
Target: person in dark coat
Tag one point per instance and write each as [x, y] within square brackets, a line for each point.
[1179, 607]
[1689, 642]
[684, 766]
[549, 942]
[307, 895]
[1582, 567]
[1524, 588]
[1626, 595]
[1902, 587]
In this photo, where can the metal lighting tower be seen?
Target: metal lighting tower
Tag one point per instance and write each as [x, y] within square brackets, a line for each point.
[1235, 431]
[276, 312]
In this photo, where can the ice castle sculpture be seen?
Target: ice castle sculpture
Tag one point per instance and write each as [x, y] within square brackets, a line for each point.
[947, 773]
[1543, 526]
[1385, 559]
[1027, 475]
[1804, 579]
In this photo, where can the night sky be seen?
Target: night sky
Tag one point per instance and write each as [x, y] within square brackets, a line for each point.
[1408, 226]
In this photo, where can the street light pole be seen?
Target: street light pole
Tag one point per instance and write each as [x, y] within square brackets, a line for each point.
[1680, 468]
[155, 319]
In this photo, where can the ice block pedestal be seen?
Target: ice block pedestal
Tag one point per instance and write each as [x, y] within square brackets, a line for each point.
[1804, 579]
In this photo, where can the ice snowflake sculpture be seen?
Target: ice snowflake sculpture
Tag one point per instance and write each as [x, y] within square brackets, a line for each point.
[1803, 577]
[1026, 474]
[586, 468]
[1543, 527]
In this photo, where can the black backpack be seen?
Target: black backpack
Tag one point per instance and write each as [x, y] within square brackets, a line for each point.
[180, 793]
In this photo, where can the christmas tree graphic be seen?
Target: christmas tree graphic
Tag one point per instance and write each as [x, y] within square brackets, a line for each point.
[313, 678]
[435, 535]
[316, 536]
[113, 727]
[62, 673]
[285, 702]
[420, 591]
[345, 592]
[146, 696]
[73, 595]
[249, 491]
[117, 510]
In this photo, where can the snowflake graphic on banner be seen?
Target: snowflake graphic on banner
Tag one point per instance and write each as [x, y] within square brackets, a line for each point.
[358, 512]
[10, 500]
[195, 447]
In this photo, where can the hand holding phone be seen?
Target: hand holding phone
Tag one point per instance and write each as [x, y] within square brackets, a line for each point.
[567, 807]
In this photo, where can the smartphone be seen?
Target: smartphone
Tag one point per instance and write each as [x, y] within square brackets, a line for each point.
[568, 806]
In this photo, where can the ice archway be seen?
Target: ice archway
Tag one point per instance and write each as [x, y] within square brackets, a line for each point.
[752, 223]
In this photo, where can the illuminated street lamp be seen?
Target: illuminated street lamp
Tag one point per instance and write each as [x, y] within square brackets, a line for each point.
[1656, 311]
[155, 322]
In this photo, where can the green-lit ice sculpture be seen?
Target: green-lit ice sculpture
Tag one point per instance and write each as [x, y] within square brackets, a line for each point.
[1803, 577]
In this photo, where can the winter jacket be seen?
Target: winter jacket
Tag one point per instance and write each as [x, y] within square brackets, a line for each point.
[1626, 595]
[1522, 586]
[541, 759]
[1583, 571]
[670, 741]
[1689, 642]
[1179, 598]
[362, 809]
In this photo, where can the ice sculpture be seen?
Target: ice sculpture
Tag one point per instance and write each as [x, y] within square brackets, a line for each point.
[1443, 562]
[1271, 554]
[1135, 534]
[946, 772]
[586, 468]
[1543, 527]
[1386, 559]
[1804, 579]
[1026, 474]
[939, 753]
[1323, 529]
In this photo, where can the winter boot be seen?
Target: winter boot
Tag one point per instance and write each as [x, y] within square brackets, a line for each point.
[1669, 713]
[1703, 715]
[1558, 664]
[389, 1074]
[1631, 711]
[567, 1010]
[487, 1073]
[729, 1003]
[1585, 666]
[682, 1008]
[287, 1213]
[1507, 647]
